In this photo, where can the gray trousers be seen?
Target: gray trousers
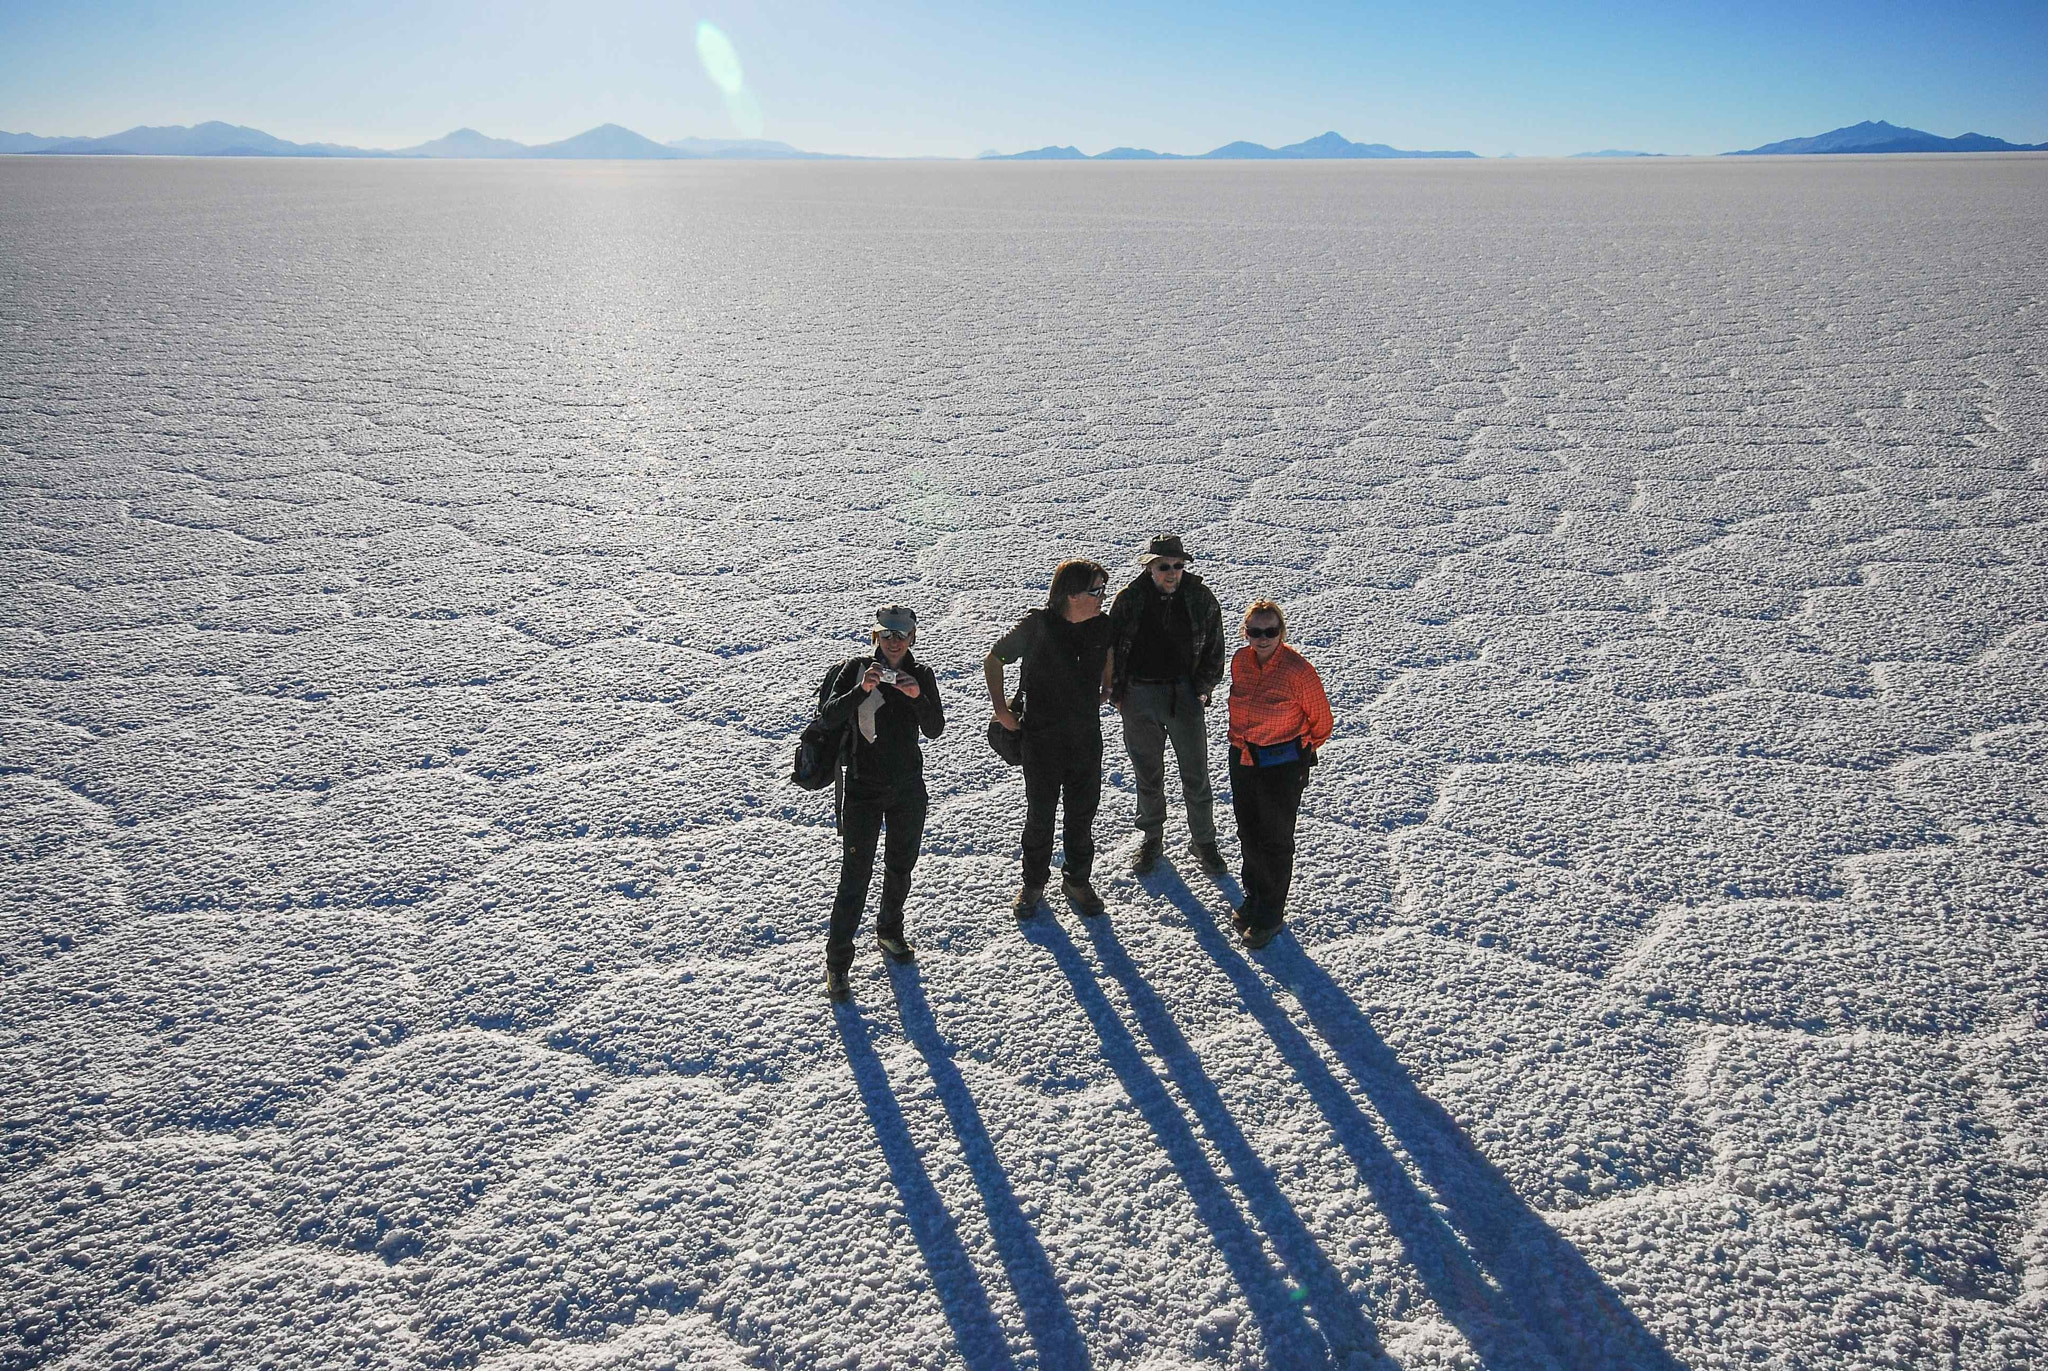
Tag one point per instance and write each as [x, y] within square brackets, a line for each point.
[1153, 716]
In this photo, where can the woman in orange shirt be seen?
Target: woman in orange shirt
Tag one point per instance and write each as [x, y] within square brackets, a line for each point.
[1279, 716]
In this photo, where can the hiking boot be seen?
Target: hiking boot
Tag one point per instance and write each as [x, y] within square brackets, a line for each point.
[1210, 859]
[838, 986]
[894, 947]
[1026, 903]
[1257, 936]
[1147, 855]
[1083, 896]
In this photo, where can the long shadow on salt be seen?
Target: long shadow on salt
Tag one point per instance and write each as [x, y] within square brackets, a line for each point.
[1544, 1305]
[1339, 1334]
[1046, 1316]
[976, 1333]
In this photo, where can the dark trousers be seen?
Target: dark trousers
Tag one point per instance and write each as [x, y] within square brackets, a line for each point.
[1267, 800]
[1060, 773]
[862, 816]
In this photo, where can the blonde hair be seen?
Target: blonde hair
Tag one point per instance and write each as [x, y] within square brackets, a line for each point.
[1258, 607]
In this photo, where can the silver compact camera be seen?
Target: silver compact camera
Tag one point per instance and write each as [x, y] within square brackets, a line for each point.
[887, 677]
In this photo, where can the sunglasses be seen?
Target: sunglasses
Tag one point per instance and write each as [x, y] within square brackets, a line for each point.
[890, 635]
[1169, 566]
[1272, 632]
[1094, 592]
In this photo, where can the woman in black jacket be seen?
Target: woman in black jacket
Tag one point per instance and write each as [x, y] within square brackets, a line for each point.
[1065, 651]
[888, 698]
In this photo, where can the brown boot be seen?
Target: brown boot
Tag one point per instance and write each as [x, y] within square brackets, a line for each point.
[1083, 896]
[1148, 855]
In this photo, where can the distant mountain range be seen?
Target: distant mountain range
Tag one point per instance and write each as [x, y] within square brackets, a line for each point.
[1326, 146]
[1865, 138]
[611, 142]
[1878, 136]
[215, 139]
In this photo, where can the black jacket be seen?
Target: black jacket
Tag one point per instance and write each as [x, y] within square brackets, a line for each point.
[895, 759]
[1062, 675]
[1205, 620]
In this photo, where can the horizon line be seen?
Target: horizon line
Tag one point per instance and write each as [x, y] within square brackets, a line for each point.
[1049, 152]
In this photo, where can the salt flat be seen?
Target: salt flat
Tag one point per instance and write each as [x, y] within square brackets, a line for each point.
[416, 576]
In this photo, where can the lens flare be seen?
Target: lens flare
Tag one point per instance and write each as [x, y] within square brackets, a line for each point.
[721, 61]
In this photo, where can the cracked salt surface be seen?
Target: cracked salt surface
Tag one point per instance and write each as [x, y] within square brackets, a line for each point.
[410, 954]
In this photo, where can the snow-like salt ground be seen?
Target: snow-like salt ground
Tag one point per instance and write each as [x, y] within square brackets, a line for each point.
[416, 576]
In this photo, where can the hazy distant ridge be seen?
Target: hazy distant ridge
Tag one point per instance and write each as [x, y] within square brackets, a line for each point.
[1323, 147]
[1878, 136]
[26, 142]
[211, 139]
[752, 149]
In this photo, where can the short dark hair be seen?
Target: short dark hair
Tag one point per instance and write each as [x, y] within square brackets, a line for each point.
[1070, 579]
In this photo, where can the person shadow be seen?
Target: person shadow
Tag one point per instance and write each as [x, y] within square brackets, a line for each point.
[1047, 1320]
[1513, 1286]
[977, 1334]
[1308, 1316]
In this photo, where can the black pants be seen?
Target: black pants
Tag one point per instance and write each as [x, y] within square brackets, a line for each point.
[861, 820]
[1268, 801]
[1060, 772]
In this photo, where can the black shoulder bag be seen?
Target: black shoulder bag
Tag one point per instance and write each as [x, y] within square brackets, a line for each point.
[821, 748]
[1009, 746]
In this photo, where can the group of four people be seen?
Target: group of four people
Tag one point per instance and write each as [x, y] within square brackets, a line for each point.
[1157, 656]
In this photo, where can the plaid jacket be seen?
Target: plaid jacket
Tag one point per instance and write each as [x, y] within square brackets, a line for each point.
[1205, 617]
[1273, 703]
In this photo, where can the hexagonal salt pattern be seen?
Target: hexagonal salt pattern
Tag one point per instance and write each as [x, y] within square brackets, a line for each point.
[410, 951]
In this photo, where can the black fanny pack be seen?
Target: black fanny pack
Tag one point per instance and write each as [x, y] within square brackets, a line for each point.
[1279, 754]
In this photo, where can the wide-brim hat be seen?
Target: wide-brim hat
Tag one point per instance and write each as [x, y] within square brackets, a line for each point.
[895, 619]
[1163, 545]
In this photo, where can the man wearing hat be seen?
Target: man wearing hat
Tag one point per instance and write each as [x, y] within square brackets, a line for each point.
[1167, 660]
[890, 698]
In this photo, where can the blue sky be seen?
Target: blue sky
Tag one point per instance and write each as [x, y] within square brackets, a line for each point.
[908, 78]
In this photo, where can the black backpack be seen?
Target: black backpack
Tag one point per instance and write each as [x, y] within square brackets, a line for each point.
[821, 749]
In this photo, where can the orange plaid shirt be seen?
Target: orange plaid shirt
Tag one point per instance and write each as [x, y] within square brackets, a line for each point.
[1270, 704]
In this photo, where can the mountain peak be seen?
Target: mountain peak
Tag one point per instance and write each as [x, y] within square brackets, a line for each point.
[607, 142]
[466, 142]
[1875, 135]
[1052, 152]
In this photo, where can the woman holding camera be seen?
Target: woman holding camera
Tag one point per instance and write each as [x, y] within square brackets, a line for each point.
[891, 698]
[1279, 716]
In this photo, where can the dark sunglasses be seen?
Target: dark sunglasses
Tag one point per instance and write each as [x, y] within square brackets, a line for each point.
[1094, 592]
[1169, 566]
[890, 635]
[1272, 632]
